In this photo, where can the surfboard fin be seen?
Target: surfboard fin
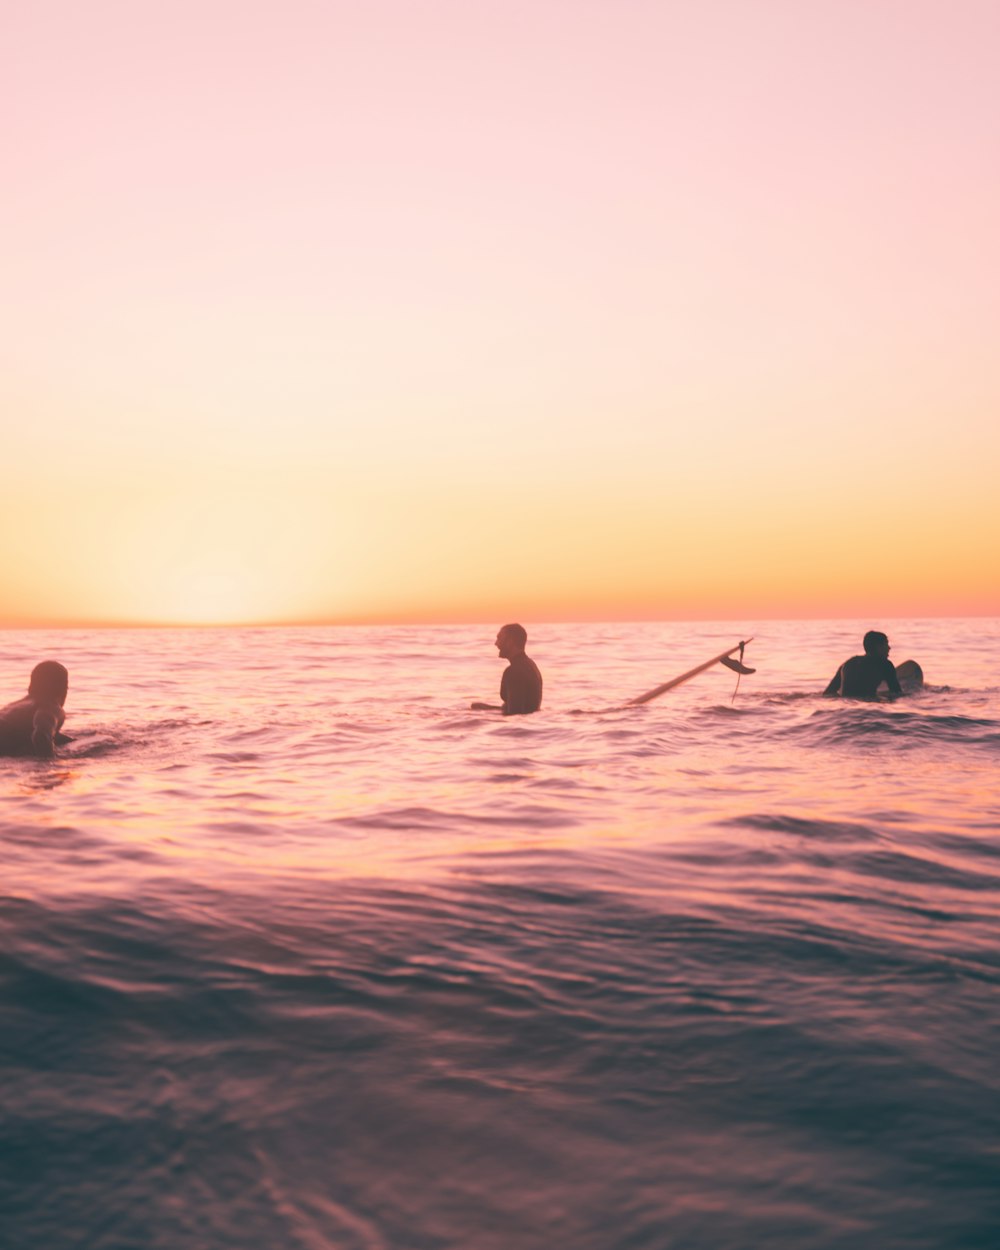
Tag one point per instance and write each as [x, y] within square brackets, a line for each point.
[735, 665]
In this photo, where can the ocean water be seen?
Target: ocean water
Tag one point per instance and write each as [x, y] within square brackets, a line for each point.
[298, 952]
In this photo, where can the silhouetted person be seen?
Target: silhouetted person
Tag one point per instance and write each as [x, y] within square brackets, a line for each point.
[521, 684]
[31, 725]
[861, 675]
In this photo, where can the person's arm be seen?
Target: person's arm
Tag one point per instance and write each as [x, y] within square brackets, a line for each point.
[43, 732]
[492, 707]
[836, 683]
[890, 678]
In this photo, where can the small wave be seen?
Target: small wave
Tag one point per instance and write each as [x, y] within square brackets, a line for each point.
[827, 830]
[915, 870]
[861, 724]
[96, 748]
[977, 847]
[101, 740]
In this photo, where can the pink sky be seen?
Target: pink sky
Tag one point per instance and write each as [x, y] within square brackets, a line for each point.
[406, 310]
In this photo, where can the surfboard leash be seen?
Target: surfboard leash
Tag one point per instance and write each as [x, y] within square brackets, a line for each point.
[739, 674]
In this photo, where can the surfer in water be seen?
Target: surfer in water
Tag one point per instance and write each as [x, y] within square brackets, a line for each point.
[521, 684]
[861, 675]
[31, 725]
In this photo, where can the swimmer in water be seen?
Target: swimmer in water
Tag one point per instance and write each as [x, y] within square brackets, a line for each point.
[861, 675]
[521, 684]
[31, 725]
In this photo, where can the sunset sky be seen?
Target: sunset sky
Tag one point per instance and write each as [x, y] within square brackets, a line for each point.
[453, 310]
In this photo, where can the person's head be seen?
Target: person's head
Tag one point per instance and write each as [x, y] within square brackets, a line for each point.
[876, 643]
[511, 641]
[49, 681]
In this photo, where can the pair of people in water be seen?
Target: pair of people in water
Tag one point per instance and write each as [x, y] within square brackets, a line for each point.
[857, 678]
[31, 725]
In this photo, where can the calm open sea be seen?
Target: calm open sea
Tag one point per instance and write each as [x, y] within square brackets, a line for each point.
[297, 952]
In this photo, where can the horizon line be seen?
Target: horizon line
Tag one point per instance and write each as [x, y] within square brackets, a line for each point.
[404, 622]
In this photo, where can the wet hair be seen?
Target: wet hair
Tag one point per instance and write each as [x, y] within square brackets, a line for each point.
[49, 680]
[516, 633]
[873, 639]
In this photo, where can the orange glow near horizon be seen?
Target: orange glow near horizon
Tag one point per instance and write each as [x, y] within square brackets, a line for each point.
[674, 327]
[249, 560]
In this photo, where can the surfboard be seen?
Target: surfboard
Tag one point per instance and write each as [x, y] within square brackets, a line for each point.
[910, 676]
[724, 657]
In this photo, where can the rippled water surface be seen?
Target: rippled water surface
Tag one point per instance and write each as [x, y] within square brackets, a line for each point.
[297, 951]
